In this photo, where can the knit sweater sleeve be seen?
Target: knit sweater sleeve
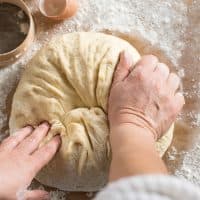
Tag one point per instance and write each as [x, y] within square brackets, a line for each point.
[157, 187]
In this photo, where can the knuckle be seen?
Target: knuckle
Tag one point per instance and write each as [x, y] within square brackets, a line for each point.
[141, 74]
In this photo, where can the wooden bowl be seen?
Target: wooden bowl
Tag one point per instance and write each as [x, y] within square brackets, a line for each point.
[11, 56]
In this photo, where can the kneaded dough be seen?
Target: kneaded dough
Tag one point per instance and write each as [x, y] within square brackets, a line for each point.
[67, 83]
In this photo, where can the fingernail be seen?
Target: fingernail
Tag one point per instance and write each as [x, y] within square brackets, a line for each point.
[57, 137]
[126, 54]
[45, 123]
[128, 58]
[29, 127]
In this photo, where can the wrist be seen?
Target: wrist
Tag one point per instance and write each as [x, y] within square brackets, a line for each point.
[133, 152]
[133, 119]
[127, 129]
[122, 137]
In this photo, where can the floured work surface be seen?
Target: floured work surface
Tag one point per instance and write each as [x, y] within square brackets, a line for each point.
[167, 29]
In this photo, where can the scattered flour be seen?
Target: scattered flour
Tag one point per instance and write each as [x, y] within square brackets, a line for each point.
[172, 154]
[167, 28]
[181, 73]
[57, 195]
[190, 169]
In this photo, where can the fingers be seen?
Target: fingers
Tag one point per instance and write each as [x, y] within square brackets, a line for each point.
[37, 195]
[144, 68]
[31, 143]
[162, 71]
[123, 68]
[12, 141]
[43, 155]
[173, 83]
[148, 62]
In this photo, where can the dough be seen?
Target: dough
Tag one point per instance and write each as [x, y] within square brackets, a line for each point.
[67, 83]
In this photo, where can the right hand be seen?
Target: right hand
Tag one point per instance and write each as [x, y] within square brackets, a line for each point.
[21, 159]
[145, 96]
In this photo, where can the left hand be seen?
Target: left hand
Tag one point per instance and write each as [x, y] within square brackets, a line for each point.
[21, 160]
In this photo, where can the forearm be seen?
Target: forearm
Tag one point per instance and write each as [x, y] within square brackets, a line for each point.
[134, 153]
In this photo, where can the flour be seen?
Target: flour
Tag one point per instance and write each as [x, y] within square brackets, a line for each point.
[172, 155]
[181, 73]
[169, 29]
[190, 169]
[57, 195]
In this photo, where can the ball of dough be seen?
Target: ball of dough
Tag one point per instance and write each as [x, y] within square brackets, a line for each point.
[67, 83]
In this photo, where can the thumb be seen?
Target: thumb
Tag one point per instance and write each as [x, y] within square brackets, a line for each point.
[124, 67]
[36, 195]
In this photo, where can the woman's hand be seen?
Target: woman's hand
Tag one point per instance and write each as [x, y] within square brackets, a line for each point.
[21, 160]
[143, 103]
[144, 95]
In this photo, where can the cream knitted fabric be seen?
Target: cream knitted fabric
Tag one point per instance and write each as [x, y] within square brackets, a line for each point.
[150, 188]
